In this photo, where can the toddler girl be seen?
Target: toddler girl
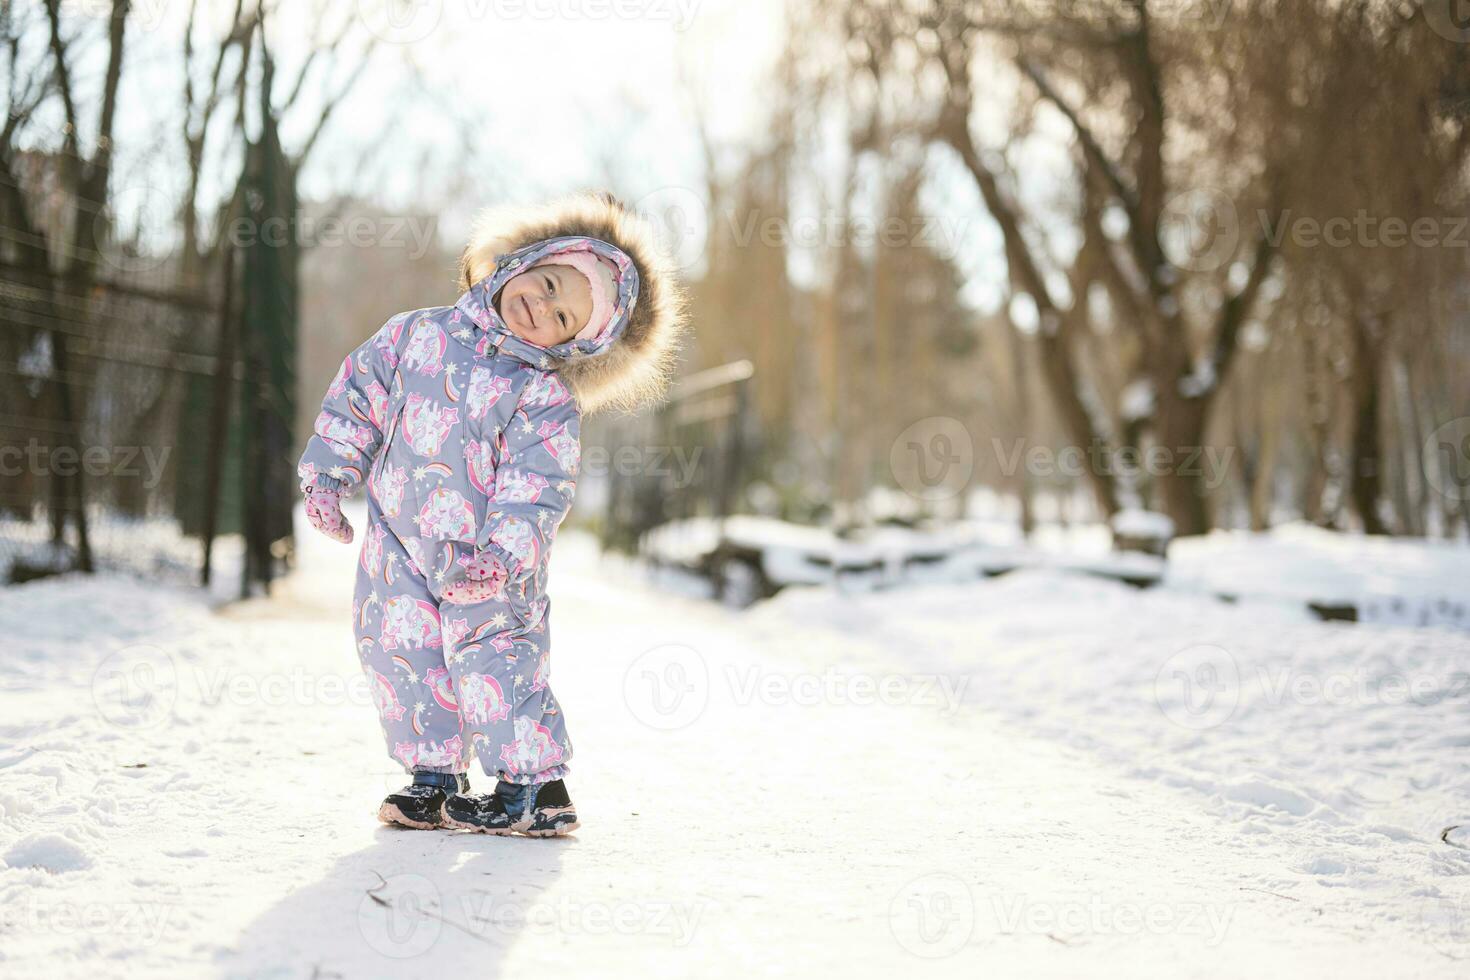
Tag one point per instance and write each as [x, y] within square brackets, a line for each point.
[463, 421]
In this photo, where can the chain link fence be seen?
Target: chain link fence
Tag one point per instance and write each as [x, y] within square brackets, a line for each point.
[105, 394]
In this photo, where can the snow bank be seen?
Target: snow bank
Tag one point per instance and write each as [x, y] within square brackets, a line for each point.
[1389, 580]
[1343, 744]
[1044, 774]
[49, 852]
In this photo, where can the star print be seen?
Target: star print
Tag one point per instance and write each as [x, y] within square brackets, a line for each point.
[498, 620]
[449, 369]
[520, 679]
[336, 472]
[413, 677]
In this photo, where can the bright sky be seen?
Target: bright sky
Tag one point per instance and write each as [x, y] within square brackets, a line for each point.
[472, 102]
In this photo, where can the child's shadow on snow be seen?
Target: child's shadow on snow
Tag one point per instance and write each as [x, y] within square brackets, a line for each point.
[415, 903]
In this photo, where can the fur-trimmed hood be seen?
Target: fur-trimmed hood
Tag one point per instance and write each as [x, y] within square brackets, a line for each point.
[629, 366]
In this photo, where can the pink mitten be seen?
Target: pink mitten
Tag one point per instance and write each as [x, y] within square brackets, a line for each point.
[484, 578]
[324, 511]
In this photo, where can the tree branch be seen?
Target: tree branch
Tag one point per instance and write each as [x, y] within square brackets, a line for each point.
[1236, 310]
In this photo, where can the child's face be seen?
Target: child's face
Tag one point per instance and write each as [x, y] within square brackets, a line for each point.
[546, 305]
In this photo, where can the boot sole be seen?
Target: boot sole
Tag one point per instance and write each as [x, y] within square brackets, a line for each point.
[391, 815]
[452, 824]
[553, 832]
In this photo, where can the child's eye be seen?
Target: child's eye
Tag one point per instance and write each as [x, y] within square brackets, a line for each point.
[562, 318]
[550, 286]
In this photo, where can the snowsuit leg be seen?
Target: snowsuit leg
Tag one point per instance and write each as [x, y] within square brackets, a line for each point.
[400, 645]
[501, 669]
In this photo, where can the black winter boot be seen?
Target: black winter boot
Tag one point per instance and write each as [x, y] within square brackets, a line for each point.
[537, 810]
[420, 805]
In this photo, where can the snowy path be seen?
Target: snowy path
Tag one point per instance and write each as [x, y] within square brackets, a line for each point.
[740, 813]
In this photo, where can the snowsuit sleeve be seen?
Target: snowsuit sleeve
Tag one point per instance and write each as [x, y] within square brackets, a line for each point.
[534, 482]
[349, 429]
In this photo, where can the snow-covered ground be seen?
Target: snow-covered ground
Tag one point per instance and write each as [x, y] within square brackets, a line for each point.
[1036, 775]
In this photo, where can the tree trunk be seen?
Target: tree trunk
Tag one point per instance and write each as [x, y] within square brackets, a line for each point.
[1366, 469]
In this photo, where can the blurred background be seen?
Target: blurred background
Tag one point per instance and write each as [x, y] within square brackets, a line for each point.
[974, 285]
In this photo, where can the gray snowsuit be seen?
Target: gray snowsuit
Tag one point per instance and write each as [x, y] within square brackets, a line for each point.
[468, 442]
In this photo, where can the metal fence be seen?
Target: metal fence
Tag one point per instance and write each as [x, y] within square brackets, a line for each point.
[689, 459]
[104, 390]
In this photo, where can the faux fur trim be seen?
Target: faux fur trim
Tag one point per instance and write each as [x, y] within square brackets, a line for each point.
[636, 369]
